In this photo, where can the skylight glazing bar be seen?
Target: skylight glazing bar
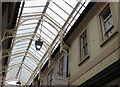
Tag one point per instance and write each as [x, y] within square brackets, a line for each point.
[19, 47]
[18, 53]
[36, 51]
[57, 14]
[48, 30]
[33, 56]
[21, 44]
[30, 52]
[27, 24]
[68, 4]
[47, 35]
[29, 65]
[31, 59]
[53, 19]
[15, 62]
[25, 28]
[28, 36]
[22, 34]
[13, 65]
[31, 13]
[16, 57]
[53, 23]
[60, 7]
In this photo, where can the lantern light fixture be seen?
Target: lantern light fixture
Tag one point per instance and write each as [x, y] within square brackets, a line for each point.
[39, 42]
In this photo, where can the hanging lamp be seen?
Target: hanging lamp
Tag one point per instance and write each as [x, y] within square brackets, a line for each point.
[39, 42]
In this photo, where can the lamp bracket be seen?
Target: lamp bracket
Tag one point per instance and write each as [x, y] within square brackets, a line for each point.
[64, 47]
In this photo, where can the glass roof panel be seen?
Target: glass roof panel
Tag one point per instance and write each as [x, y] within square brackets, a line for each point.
[15, 62]
[16, 59]
[50, 28]
[20, 46]
[54, 15]
[38, 56]
[20, 53]
[17, 48]
[27, 26]
[35, 3]
[30, 21]
[32, 58]
[16, 52]
[33, 9]
[26, 38]
[31, 66]
[22, 41]
[62, 13]
[12, 73]
[71, 2]
[25, 34]
[31, 62]
[26, 30]
[25, 74]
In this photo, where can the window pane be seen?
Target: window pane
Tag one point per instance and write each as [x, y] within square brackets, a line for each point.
[84, 46]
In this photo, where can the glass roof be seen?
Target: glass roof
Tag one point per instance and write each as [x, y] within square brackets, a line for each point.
[45, 19]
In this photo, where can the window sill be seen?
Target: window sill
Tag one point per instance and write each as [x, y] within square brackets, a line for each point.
[83, 60]
[107, 39]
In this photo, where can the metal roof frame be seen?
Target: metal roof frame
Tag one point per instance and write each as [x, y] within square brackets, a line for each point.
[48, 47]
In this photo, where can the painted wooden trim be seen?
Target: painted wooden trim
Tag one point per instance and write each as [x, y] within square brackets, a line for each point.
[95, 61]
[114, 16]
[101, 36]
[79, 45]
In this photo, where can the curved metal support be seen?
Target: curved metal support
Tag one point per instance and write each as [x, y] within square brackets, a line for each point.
[19, 66]
[26, 56]
[14, 68]
[30, 39]
[53, 22]
[12, 54]
[6, 38]
[42, 20]
[20, 63]
[14, 64]
[10, 33]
